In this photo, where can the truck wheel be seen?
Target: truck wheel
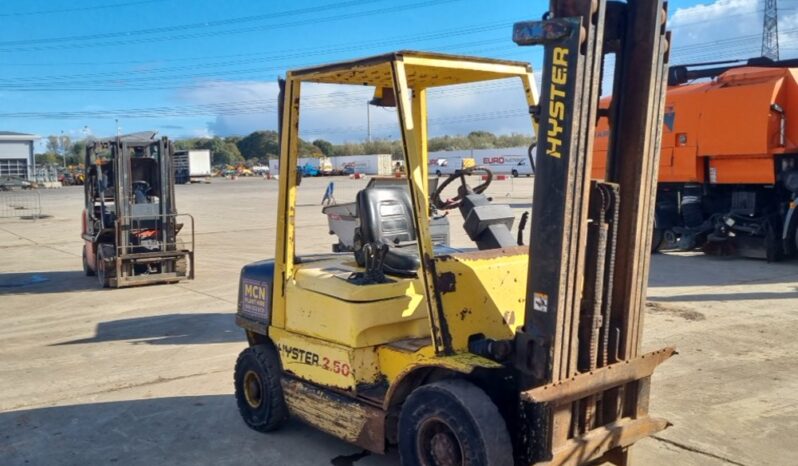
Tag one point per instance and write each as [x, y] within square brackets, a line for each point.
[796, 242]
[452, 422]
[515, 173]
[773, 245]
[656, 240]
[86, 269]
[258, 391]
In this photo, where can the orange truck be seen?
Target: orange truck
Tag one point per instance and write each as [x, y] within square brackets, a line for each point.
[728, 173]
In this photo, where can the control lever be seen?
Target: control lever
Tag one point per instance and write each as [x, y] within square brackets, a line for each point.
[374, 260]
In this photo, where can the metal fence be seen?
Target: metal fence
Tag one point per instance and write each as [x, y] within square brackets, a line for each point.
[45, 174]
[20, 204]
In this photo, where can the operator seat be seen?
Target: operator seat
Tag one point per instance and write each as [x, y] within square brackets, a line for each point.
[386, 216]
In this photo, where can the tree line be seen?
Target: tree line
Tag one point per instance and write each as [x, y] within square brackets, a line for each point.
[259, 146]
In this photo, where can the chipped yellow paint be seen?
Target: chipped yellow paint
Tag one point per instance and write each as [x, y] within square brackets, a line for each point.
[489, 294]
[324, 305]
[396, 362]
[424, 70]
[310, 359]
[348, 420]
[285, 244]
[312, 406]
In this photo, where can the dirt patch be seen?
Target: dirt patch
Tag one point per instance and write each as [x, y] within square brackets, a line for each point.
[686, 314]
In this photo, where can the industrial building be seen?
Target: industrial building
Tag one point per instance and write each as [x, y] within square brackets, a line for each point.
[16, 154]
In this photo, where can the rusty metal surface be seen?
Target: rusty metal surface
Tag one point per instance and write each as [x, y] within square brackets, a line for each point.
[587, 277]
[339, 415]
[599, 380]
[633, 160]
[597, 443]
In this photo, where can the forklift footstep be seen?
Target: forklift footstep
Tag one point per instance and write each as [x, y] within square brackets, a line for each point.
[349, 460]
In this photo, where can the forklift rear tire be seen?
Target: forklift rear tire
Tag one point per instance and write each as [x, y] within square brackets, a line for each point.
[453, 422]
[258, 391]
[86, 269]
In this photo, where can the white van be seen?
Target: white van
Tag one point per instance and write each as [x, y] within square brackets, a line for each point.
[511, 161]
[444, 165]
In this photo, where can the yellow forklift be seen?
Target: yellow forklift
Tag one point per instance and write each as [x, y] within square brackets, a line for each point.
[497, 355]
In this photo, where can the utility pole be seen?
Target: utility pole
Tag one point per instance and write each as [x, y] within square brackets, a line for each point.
[770, 30]
[368, 121]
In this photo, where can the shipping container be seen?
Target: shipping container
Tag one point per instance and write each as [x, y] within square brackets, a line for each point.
[374, 164]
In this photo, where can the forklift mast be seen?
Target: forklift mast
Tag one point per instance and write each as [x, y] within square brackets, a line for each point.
[160, 151]
[590, 241]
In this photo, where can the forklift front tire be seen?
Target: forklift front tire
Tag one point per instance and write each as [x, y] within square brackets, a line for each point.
[453, 422]
[86, 269]
[258, 391]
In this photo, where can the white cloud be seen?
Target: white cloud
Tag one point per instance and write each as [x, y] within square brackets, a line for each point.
[726, 29]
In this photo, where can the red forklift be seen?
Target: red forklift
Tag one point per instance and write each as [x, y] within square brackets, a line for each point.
[131, 228]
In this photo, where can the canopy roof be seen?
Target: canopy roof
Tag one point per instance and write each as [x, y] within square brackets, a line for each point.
[424, 69]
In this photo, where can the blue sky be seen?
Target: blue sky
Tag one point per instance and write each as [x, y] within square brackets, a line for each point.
[203, 68]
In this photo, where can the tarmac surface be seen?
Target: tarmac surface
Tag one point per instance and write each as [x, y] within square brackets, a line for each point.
[144, 375]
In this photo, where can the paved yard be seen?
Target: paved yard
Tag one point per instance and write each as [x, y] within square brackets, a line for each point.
[144, 375]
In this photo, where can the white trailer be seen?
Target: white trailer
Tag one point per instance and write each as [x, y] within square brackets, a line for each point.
[192, 166]
[373, 164]
[509, 161]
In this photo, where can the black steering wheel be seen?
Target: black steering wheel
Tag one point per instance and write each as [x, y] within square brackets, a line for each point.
[145, 187]
[463, 190]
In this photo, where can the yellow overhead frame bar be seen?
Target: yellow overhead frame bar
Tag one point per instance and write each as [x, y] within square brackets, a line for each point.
[409, 74]
[424, 70]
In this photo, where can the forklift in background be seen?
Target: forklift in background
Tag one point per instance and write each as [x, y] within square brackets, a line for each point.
[130, 224]
[498, 355]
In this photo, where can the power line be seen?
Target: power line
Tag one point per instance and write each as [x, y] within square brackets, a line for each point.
[310, 101]
[157, 81]
[183, 27]
[282, 55]
[63, 82]
[85, 8]
[493, 26]
[60, 42]
[709, 20]
[458, 31]
[140, 83]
